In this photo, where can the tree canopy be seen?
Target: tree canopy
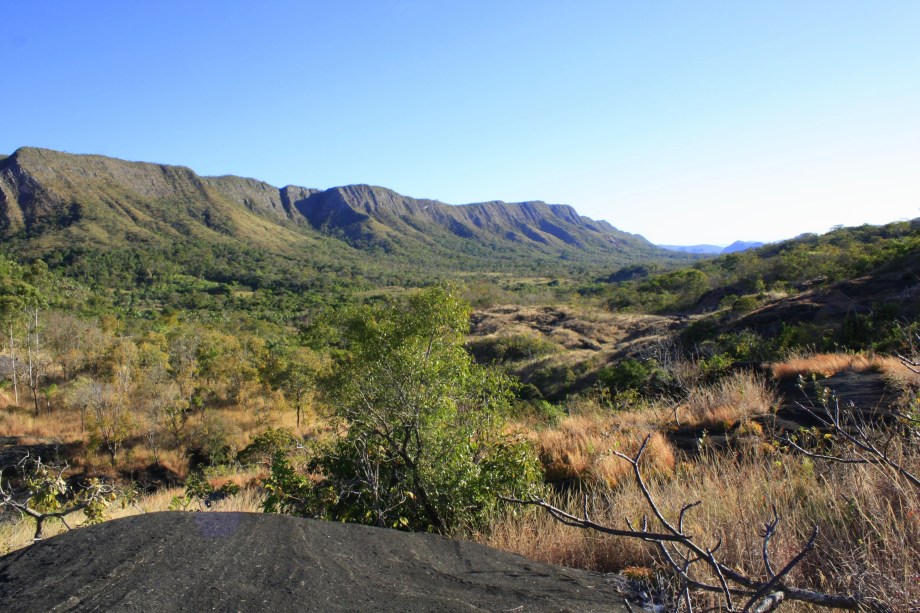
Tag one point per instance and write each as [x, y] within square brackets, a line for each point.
[420, 440]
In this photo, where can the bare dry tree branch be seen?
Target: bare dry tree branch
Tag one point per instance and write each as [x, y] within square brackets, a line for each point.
[683, 511]
[909, 364]
[8, 499]
[769, 529]
[680, 552]
[580, 522]
[770, 603]
[862, 441]
[715, 565]
[763, 591]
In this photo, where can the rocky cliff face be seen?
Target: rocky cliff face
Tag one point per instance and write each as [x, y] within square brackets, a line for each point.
[534, 223]
[44, 192]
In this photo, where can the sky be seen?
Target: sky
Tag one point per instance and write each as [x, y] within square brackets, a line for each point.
[686, 122]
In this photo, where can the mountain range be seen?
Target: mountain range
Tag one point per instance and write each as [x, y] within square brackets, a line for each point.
[67, 207]
[714, 249]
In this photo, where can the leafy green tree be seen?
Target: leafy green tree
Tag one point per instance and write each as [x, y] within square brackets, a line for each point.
[294, 370]
[419, 440]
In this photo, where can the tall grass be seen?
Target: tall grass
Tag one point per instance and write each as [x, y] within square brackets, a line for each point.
[581, 447]
[868, 520]
[731, 400]
[829, 364]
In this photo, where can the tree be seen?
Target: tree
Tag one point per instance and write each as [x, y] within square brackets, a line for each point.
[110, 400]
[40, 278]
[16, 299]
[419, 440]
[294, 370]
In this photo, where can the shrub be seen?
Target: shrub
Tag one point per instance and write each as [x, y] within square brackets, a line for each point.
[419, 437]
[264, 446]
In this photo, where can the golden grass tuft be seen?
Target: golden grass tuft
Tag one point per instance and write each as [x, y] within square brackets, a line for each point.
[829, 364]
[583, 446]
[733, 400]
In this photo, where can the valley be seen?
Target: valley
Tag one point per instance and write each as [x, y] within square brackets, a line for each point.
[188, 343]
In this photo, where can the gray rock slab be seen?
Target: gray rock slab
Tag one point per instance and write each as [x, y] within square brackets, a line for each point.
[252, 562]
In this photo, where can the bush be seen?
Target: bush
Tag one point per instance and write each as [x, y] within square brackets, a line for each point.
[627, 374]
[419, 440]
[512, 348]
[264, 446]
[645, 377]
[745, 304]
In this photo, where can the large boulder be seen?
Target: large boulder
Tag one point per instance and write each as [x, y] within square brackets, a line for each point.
[252, 562]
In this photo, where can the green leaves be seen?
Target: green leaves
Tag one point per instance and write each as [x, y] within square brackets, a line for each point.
[419, 440]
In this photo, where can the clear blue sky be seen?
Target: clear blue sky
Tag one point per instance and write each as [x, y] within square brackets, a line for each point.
[687, 122]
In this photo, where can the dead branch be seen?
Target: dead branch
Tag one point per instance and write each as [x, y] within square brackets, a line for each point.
[681, 551]
[865, 445]
[24, 506]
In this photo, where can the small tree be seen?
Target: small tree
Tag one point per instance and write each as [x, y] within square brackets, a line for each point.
[110, 401]
[419, 439]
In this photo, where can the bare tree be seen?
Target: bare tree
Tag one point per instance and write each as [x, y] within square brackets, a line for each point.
[36, 361]
[10, 313]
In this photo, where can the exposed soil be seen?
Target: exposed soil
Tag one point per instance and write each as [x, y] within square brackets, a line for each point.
[862, 397]
[896, 287]
[253, 562]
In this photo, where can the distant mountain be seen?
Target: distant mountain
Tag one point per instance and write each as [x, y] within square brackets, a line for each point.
[365, 215]
[742, 246]
[713, 249]
[703, 249]
[63, 207]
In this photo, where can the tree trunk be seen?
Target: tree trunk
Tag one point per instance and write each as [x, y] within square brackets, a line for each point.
[33, 383]
[32, 342]
[13, 366]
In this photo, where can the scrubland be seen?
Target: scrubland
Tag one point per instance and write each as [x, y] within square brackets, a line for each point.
[710, 428]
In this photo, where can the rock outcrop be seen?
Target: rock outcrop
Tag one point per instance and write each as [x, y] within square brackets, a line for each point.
[252, 562]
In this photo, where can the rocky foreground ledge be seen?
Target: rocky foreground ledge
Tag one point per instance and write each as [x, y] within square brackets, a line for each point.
[253, 562]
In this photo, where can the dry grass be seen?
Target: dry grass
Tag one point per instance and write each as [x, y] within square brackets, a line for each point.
[869, 523]
[533, 534]
[730, 401]
[582, 447]
[829, 364]
[61, 424]
[571, 328]
[234, 426]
